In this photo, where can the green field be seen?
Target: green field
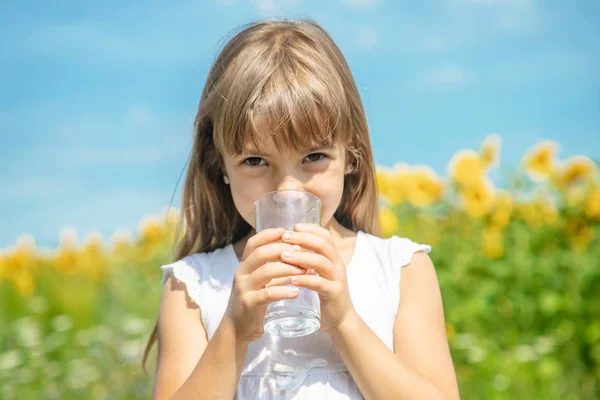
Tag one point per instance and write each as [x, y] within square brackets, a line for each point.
[519, 271]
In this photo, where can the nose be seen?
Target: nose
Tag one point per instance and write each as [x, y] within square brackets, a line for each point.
[289, 182]
[288, 177]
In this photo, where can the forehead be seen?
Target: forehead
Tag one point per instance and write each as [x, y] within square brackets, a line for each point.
[264, 138]
[270, 148]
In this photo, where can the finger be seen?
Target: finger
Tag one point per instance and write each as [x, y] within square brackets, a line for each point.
[311, 241]
[261, 238]
[314, 228]
[313, 261]
[263, 254]
[314, 282]
[279, 281]
[273, 270]
[270, 294]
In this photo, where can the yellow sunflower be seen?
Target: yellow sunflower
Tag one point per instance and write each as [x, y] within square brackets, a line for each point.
[18, 264]
[93, 257]
[389, 184]
[548, 210]
[478, 199]
[466, 168]
[2, 265]
[423, 186]
[24, 283]
[579, 234]
[576, 169]
[538, 212]
[592, 203]
[540, 161]
[151, 231]
[500, 216]
[67, 255]
[528, 212]
[493, 246]
[490, 150]
[388, 221]
[574, 195]
[120, 242]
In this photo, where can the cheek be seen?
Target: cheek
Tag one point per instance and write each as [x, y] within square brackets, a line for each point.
[244, 198]
[330, 195]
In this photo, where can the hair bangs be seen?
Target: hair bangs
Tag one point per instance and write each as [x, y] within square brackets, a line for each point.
[295, 109]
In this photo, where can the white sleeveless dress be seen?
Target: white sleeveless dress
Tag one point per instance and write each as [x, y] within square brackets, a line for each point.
[308, 367]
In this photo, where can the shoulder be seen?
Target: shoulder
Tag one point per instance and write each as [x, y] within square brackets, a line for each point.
[196, 263]
[399, 250]
[196, 269]
[189, 266]
[404, 251]
[187, 271]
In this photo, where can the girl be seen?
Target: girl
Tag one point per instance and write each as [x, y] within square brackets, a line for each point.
[280, 110]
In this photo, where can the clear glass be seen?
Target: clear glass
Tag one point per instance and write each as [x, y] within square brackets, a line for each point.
[301, 315]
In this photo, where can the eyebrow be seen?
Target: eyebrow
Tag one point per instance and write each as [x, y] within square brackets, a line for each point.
[305, 150]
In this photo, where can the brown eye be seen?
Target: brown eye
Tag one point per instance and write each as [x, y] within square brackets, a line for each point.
[314, 157]
[253, 161]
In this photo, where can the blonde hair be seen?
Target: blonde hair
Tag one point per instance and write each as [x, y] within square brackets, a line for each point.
[291, 75]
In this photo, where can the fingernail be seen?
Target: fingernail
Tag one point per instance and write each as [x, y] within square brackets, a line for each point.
[286, 254]
[296, 247]
[294, 279]
[287, 235]
[293, 290]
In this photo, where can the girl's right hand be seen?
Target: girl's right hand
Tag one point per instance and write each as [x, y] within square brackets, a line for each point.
[249, 296]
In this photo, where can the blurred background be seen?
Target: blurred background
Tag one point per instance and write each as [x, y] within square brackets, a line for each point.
[485, 124]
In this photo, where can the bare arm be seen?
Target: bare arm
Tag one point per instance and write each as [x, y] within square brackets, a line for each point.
[181, 339]
[188, 364]
[217, 374]
[421, 367]
[420, 339]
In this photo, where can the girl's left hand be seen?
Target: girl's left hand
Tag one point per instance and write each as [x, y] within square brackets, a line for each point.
[331, 282]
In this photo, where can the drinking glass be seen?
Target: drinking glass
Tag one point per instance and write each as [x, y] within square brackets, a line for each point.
[301, 315]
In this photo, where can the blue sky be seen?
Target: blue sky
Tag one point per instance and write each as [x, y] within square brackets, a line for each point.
[98, 98]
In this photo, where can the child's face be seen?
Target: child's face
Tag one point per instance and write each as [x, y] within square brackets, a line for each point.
[318, 171]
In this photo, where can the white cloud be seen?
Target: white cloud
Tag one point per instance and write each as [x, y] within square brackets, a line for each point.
[274, 7]
[36, 187]
[57, 139]
[494, 16]
[542, 66]
[114, 155]
[445, 76]
[136, 119]
[99, 43]
[366, 38]
[139, 115]
[465, 24]
[360, 4]
[131, 34]
[265, 7]
[497, 3]
[434, 42]
[137, 136]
